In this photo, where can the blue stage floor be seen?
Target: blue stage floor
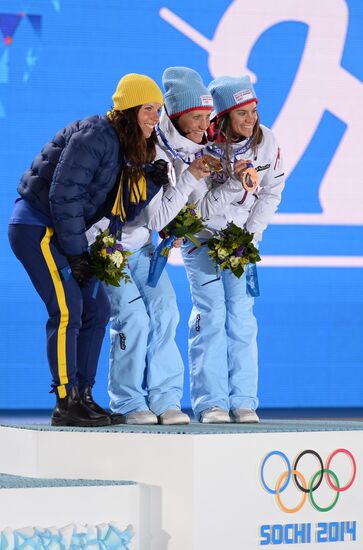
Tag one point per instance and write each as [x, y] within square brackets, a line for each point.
[42, 417]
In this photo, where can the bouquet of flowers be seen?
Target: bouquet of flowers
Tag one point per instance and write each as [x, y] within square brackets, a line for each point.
[185, 225]
[232, 248]
[109, 259]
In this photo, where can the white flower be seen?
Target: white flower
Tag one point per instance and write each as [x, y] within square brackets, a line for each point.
[222, 253]
[234, 261]
[108, 241]
[117, 258]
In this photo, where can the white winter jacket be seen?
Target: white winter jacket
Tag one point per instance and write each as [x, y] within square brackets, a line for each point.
[181, 153]
[255, 210]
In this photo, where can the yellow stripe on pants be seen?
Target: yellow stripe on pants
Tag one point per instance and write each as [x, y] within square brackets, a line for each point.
[64, 313]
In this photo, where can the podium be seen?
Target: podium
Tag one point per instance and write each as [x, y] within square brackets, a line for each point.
[196, 487]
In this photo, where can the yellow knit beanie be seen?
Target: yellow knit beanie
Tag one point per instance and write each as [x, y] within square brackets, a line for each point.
[136, 89]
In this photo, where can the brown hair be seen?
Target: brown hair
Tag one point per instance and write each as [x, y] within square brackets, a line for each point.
[137, 149]
[223, 125]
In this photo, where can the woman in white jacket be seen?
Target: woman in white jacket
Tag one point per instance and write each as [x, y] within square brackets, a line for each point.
[223, 328]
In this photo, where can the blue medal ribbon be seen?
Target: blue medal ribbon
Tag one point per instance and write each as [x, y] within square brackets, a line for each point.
[158, 260]
[172, 150]
[221, 152]
[252, 286]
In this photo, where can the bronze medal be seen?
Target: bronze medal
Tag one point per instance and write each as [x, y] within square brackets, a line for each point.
[212, 163]
[250, 179]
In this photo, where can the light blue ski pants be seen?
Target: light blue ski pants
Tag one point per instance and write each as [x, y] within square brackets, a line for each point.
[146, 368]
[222, 336]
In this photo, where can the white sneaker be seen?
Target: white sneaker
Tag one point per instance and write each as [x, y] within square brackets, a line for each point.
[173, 416]
[215, 415]
[141, 417]
[244, 416]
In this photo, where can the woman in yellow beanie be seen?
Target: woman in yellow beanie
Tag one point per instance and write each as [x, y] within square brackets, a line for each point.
[146, 369]
[95, 167]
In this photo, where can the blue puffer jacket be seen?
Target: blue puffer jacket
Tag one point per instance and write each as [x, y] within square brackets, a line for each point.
[70, 178]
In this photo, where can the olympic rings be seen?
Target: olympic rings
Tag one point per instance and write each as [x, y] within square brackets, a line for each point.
[328, 508]
[304, 497]
[301, 483]
[348, 453]
[309, 451]
[284, 457]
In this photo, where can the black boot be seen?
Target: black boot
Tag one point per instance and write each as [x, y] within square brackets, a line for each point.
[70, 411]
[117, 418]
[87, 399]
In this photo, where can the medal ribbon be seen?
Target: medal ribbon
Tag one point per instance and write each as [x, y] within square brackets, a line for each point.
[173, 151]
[221, 153]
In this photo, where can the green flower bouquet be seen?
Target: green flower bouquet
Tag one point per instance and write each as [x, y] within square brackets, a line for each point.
[185, 225]
[109, 259]
[232, 248]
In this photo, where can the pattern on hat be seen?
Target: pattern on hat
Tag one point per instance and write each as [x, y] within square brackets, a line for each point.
[229, 92]
[184, 91]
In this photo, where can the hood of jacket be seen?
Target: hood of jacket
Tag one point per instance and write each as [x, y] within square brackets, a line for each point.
[183, 145]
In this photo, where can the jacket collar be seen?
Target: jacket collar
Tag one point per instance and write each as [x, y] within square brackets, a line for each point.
[182, 144]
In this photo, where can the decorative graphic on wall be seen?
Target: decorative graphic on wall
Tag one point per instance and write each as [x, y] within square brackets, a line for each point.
[9, 23]
[319, 89]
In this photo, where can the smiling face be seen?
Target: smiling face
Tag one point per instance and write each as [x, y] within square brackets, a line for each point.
[148, 117]
[243, 119]
[194, 124]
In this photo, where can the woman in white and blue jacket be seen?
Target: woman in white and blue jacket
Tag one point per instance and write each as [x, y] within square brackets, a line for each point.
[222, 325]
[182, 138]
[73, 182]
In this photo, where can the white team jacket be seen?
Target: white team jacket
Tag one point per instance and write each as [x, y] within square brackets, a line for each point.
[182, 152]
[257, 208]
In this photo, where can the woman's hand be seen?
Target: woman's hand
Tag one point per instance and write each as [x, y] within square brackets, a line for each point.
[199, 169]
[177, 243]
[165, 235]
[239, 167]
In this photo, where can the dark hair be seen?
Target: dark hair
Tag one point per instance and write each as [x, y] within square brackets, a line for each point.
[223, 125]
[137, 149]
[175, 123]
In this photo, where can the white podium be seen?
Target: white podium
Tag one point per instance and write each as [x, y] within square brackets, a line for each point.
[220, 489]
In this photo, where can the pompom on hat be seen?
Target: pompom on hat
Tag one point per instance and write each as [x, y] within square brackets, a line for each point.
[185, 91]
[230, 92]
[136, 89]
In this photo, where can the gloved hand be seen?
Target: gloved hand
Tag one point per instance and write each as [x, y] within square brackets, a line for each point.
[159, 172]
[81, 267]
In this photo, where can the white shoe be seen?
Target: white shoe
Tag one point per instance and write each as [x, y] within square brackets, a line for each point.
[141, 417]
[173, 416]
[244, 416]
[215, 415]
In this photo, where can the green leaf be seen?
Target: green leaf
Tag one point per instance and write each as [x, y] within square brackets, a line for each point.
[238, 271]
[193, 239]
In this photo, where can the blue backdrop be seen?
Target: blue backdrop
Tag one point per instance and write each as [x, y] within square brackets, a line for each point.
[60, 60]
